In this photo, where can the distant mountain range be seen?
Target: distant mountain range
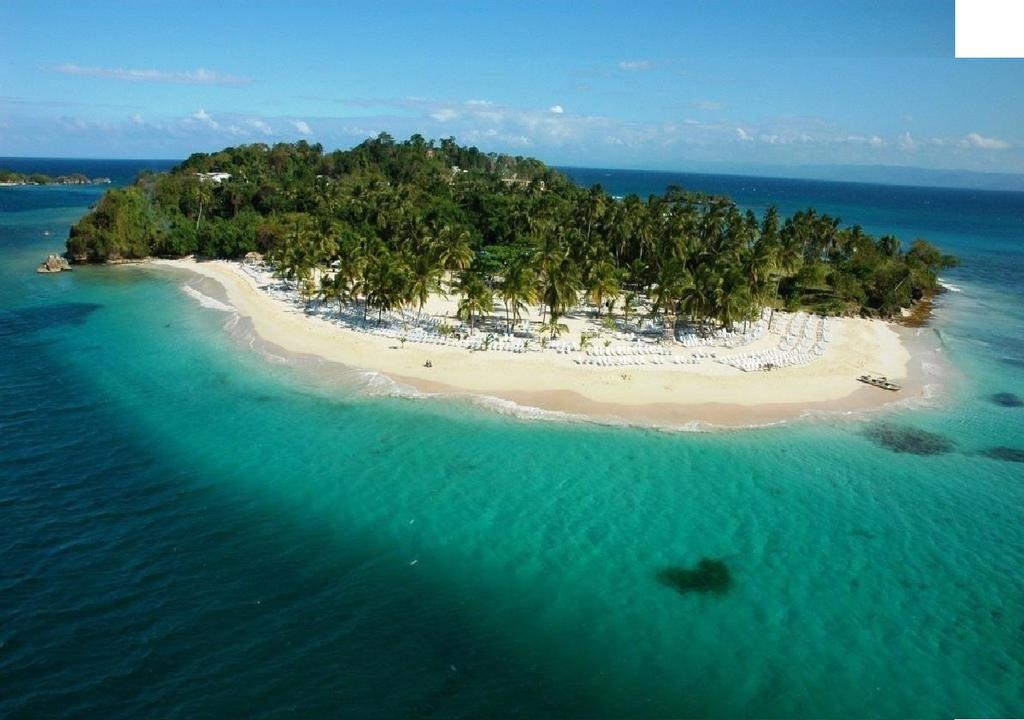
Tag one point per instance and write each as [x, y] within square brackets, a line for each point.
[881, 174]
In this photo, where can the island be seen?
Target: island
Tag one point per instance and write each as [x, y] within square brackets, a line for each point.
[456, 271]
[9, 178]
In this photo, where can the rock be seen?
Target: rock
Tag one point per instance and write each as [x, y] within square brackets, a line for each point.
[253, 258]
[53, 264]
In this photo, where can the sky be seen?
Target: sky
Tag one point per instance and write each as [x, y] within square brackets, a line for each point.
[661, 85]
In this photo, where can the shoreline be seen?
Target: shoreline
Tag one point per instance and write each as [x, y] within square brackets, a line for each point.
[706, 395]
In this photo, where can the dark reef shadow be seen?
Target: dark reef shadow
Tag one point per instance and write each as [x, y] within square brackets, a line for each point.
[707, 576]
[1006, 399]
[904, 439]
[1002, 452]
[23, 321]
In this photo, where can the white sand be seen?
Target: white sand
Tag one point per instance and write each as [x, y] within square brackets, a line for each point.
[667, 394]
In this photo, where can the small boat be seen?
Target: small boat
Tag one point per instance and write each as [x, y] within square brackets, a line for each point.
[879, 381]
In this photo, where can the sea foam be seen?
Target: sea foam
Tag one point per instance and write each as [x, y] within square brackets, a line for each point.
[206, 301]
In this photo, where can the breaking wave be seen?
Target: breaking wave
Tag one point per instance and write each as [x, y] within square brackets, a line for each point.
[206, 301]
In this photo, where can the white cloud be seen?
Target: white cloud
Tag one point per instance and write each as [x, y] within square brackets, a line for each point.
[259, 125]
[518, 140]
[708, 105]
[493, 135]
[445, 115]
[974, 140]
[551, 135]
[635, 65]
[204, 117]
[74, 124]
[199, 76]
[873, 140]
[786, 138]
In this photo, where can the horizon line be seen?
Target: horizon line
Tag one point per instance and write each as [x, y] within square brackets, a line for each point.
[737, 172]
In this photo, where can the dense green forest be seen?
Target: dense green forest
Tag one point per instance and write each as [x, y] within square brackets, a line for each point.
[396, 221]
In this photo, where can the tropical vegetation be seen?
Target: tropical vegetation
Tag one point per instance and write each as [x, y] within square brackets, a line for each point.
[391, 223]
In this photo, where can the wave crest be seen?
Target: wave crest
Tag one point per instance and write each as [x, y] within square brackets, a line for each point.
[206, 301]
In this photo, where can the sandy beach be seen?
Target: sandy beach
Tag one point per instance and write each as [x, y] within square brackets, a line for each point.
[664, 395]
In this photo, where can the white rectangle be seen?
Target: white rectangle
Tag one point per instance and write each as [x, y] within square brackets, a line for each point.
[989, 28]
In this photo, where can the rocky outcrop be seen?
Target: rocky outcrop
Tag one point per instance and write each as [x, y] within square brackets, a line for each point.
[53, 264]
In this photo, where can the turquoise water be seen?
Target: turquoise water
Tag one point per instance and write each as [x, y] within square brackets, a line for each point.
[188, 529]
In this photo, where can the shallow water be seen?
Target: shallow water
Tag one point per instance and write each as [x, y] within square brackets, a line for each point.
[190, 528]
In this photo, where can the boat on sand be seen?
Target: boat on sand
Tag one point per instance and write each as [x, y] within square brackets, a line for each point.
[879, 381]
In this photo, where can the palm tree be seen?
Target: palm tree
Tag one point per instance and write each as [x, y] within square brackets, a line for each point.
[789, 257]
[628, 305]
[477, 299]
[733, 299]
[699, 298]
[308, 289]
[203, 194]
[758, 263]
[349, 274]
[624, 227]
[561, 286]
[323, 238]
[604, 284]
[889, 246]
[454, 252]
[425, 280]
[518, 290]
[594, 206]
[386, 284]
[329, 289]
[673, 281]
[553, 327]
[294, 262]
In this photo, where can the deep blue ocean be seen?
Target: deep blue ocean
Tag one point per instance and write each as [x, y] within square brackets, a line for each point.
[189, 529]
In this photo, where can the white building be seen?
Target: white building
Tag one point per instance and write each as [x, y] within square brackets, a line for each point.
[214, 177]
